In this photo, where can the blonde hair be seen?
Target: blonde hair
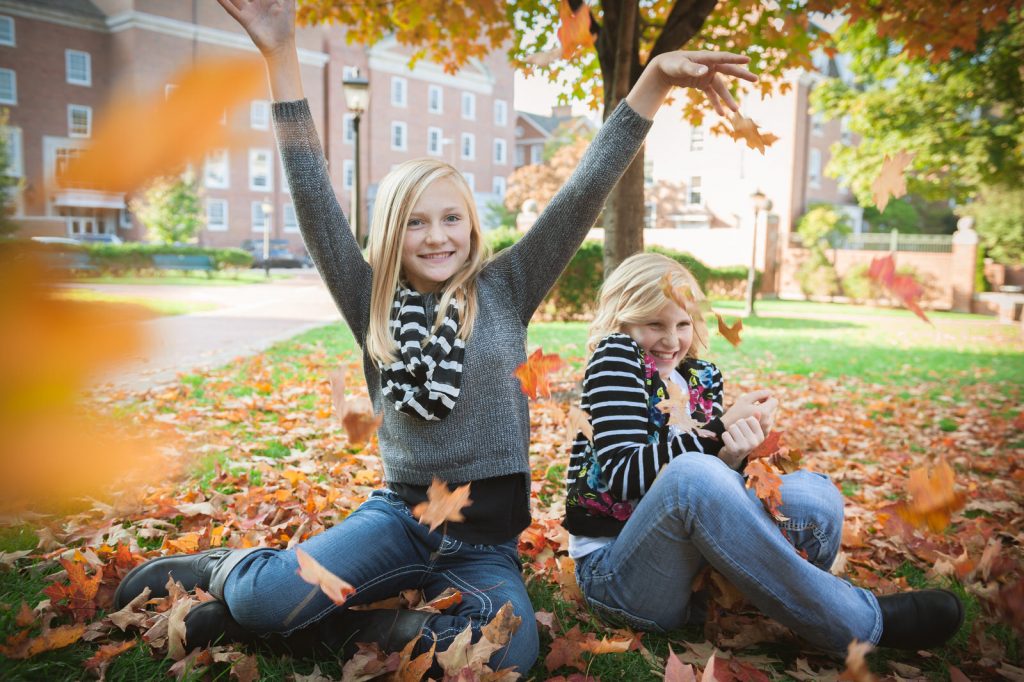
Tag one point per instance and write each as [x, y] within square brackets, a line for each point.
[634, 292]
[397, 196]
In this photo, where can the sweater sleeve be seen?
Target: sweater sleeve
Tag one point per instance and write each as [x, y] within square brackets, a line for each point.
[615, 390]
[533, 264]
[325, 229]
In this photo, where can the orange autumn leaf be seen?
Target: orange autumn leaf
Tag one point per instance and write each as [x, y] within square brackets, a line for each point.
[21, 647]
[534, 374]
[106, 653]
[78, 596]
[890, 180]
[765, 483]
[355, 414]
[745, 129]
[856, 666]
[730, 334]
[442, 504]
[448, 598]
[679, 295]
[313, 573]
[574, 31]
[414, 669]
[931, 498]
[882, 270]
[26, 616]
[138, 139]
[768, 447]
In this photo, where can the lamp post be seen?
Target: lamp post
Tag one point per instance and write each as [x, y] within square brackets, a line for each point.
[268, 213]
[760, 203]
[357, 98]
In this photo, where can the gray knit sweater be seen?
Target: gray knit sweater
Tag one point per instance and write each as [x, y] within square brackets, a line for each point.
[487, 434]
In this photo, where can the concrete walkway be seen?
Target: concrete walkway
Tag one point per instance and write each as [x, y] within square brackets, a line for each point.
[248, 319]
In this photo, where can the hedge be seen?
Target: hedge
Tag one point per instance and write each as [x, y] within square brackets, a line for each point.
[136, 257]
[575, 293]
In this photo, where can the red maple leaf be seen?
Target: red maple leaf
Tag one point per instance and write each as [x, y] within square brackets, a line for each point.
[534, 374]
[768, 447]
[883, 271]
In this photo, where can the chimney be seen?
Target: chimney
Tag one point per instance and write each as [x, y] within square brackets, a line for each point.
[562, 111]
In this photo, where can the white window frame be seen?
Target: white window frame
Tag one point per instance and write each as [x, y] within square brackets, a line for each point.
[399, 126]
[433, 132]
[399, 92]
[223, 159]
[72, 108]
[467, 153]
[499, 185]
[257, 211]
[817, 124]
[69, 55]
[697, 139]
[469, 106]
[470, 180]
[13, 99]
[500, 151]
[12, 41]
[695, 188]
[348, 128]
[500, 112]
[348, 174]
[15, 158]
[124, 219]
[814, 168]
[259, 114]
[289, 226]
[520, 155]
[536, 154]
[439, 91]
[254, 174]
[217, 227]
[348, 72]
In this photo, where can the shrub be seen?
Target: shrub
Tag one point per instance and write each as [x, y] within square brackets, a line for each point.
[862, 289]
[133, 257]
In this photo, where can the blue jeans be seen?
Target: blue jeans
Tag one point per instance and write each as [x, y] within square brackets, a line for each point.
[380, 549]
[698, 512]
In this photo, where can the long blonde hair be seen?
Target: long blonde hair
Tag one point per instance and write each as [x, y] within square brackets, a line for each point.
[397, 196]
[634, 292]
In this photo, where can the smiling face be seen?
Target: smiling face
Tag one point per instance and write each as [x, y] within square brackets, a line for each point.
[665, 336]
[437, 237]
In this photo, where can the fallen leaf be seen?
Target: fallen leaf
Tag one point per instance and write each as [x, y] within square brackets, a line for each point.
[99, 661]
[856, 666]
[890, 180]
[676, 670]
[413, 669]
[745, 129]
[442, 504]
[534, 374]
[765, 484]
[246, 669]
[368, 663]
[176, 629]
[22, 647]
[447, 599]
[26, 616]
[313, 573]
[730, 334]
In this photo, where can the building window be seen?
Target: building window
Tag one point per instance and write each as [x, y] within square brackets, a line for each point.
[500, 152]
[697, 138]
[470, 180]
[817, 124]
[124, 219]
[348, 72]
[259, 217]
[520, 155]
[259, 114]
[500, 112]
[348, 127]
[290, 220]
[434, 141]
[217, 215]
[695, 186]
[814, 168]
[79, 120]
[78, 67]
[7, 31]
[498, 185]
[650, 214]
[468, 146]
[536, 154]
[845, 134]
[469, 106]
[399, 134]
[215, 173]
[15, 164]
[62, 157]
[8, 87]
[399, 90]
[348, 174]
[435, 99]
[260, 170]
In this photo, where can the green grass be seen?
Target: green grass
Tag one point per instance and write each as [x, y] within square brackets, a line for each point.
[227, 278]
[158, 306]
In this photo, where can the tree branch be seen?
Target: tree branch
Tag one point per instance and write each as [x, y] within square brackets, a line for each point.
[682, 24]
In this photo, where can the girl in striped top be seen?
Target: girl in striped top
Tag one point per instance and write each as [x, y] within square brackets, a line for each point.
[650, 504]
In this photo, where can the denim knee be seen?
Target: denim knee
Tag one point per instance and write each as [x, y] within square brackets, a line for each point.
[706, 477]
[819, 505]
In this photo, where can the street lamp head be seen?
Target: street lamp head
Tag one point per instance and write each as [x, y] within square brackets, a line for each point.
[357, 93]
[267, 207]
[760, 201]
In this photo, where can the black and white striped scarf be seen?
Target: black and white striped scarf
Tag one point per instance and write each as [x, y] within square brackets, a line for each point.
[424, 381]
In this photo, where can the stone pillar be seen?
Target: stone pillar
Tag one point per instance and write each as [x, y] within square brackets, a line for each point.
[770, 278]
[962, 265]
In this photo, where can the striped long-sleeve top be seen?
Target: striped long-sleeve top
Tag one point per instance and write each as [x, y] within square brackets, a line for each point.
[632, 439]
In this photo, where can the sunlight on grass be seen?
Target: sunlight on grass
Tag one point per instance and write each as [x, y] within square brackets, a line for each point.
[224, 278]
[159, 306]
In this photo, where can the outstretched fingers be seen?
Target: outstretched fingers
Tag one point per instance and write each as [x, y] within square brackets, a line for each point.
[721, 90]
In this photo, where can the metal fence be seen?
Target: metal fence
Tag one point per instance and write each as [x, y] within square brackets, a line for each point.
[893, 241]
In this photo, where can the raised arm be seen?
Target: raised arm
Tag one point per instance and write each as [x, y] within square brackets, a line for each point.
[534, 263]
[325, 229]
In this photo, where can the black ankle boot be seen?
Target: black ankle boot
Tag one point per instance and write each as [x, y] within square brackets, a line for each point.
[191, 570]
[920, 620]
[210, 623]
[338, 633]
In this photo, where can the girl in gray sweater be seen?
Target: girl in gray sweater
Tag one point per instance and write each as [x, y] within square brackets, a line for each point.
[442, 328]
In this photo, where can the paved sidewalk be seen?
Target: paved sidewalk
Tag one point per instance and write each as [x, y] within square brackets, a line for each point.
[248, 319]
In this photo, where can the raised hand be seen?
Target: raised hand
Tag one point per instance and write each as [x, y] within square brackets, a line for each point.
[270, 23]
[705, 71]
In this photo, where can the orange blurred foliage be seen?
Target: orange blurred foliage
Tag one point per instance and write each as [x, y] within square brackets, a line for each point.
[931, 498]
[141, 138]
[574, 31]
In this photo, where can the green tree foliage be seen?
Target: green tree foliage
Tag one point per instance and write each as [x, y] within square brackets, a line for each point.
[171, 210]
[962, 118]
[9, 184]
[817, 275]
[900, 215]
[999, 220]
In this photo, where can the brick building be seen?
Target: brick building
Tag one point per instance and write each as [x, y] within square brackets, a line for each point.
[61, 62]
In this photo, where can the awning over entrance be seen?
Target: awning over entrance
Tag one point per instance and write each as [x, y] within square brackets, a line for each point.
[87, 198]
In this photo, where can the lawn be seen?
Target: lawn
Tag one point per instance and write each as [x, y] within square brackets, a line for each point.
[157, 306]
[223, 278]
[867, 396]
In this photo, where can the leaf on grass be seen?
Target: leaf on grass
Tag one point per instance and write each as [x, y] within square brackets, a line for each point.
[176, 628]
[20, 647]
[138, 139]
[568, 649]
[856, 666]
[356, 414]
[765, 483]
[574, 31]
[730, 334]
[26, 616]
[413, 669]
[246, 669]
[890, 180]
[534, 374]
[99, 661]
[313, 573]
[745, 129]
[931, 498]
[676, 670]
[768, 447]
[368, 663]
[442, 504]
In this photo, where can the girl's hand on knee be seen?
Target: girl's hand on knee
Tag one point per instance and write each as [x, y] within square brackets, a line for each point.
[739, 440]
[270, 23]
